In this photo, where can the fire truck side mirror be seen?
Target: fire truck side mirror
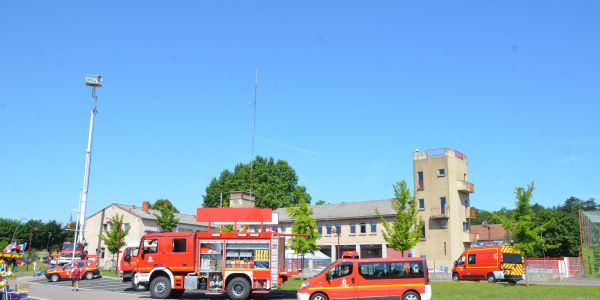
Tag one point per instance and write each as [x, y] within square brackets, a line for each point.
[328, 276]
[127, 258]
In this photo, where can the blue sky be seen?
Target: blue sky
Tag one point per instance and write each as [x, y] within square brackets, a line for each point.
[347, 91]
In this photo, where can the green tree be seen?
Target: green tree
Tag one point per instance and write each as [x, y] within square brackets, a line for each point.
[274, 183]
[321, 202]
[405, 231]
[166, 220]
[526, 233]
[115, 237]
[307, 226]
[160, 203]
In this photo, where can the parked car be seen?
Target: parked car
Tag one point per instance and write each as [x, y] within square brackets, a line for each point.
[491, 263]
[375, 278]
[89, 270]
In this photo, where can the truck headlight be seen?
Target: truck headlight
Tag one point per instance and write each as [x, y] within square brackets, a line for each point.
[304, 284]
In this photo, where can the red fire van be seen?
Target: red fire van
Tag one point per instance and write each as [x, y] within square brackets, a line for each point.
[375, 278]
[491, 263]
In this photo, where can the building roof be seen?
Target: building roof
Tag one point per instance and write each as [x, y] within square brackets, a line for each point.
[345, 210]
[137, 211]
[592, 215]
[494, 233]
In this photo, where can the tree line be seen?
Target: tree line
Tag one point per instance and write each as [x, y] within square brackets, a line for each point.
[44, 235]
[555, 228]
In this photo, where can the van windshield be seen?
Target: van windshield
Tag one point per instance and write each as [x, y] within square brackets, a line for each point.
[512, 258]
[324, 269]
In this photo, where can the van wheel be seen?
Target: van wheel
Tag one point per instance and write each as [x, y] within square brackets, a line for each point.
[491, 278]
[160, 287]
[318, 296]
[54, 278]
[238, 289]
[89, 276]
[455, 277]
[410, 296]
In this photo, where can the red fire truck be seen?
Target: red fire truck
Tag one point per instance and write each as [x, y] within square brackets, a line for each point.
[234, 263]
[67, 255]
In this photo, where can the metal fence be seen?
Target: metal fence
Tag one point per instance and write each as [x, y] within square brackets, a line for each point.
[589, 232]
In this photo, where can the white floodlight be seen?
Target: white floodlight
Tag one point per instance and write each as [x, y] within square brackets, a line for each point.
[94, 80]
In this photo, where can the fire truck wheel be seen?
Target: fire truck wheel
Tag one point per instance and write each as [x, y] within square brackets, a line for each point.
[455, 277]
[54, 278]
[238, 289]
[410, 296]
[89, 276]
[491, 278]
[318, 296]
[160, 287]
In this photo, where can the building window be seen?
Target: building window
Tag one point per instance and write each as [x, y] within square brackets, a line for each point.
[444, 223]
[443, 205]
[373, 227]
[352, 228]
[363, 228]
[179, 245]
[421, 204]
[466, 226]
[104, 227]
[420, 183]
[126, 226]
[441, 172]
[320, 229]
[328, 227]
[338, 229]
[423, 232]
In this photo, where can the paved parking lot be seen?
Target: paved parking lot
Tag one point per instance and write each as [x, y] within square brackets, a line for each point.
[102, 284]
[115, 289]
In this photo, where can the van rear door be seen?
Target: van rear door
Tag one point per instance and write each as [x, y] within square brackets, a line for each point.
[404, 275]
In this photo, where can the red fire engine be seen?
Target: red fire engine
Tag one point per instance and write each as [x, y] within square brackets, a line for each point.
[234, 263]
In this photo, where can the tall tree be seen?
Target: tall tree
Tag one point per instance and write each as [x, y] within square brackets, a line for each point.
[274, 183]
[115, 237]
[306, 225]
[160, 203]
[405, 231]
[166, 220]
[526, 234]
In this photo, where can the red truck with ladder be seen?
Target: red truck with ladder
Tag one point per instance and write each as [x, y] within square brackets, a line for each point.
[236, 263]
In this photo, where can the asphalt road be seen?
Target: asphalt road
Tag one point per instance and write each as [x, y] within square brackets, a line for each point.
[113, 289]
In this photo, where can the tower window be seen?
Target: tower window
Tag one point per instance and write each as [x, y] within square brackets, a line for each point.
[441, 172]
[421, 204]
[420, 183]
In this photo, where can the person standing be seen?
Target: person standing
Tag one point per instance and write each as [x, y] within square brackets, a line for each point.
[75, 276]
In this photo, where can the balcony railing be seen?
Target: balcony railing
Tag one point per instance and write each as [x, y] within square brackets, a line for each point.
[465, 186]
[440, 212]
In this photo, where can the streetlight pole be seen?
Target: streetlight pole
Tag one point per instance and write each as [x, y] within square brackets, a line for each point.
[94, 82]
[29, 245]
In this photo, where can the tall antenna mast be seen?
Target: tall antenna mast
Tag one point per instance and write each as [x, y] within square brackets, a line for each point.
[253, 128]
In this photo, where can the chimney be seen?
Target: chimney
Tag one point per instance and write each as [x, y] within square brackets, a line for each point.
[145, 206]
[242, 199]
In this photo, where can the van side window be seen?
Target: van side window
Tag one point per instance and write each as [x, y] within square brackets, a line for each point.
[373, 270]
[407, 269]
[341, 270]
[179, 245]
[472, 259]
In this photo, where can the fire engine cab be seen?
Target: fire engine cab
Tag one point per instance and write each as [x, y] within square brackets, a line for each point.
[235, 263]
